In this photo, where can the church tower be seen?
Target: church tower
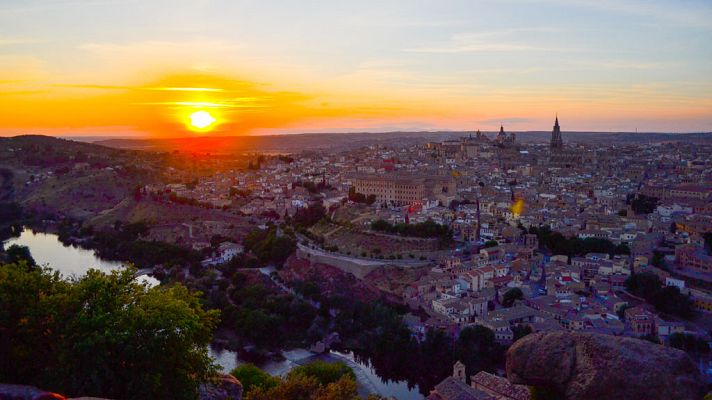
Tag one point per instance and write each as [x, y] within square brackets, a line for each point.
[458, 372]
[556, 141]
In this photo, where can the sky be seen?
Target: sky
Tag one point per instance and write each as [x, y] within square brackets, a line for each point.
[142, 67]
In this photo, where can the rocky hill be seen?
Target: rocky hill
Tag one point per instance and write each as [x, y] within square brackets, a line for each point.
[586, 366]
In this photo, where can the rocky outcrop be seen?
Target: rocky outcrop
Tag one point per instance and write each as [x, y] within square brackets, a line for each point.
[224, 387]
[587, 366]
[24, 392]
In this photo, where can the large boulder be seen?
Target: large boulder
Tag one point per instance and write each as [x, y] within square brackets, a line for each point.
[25, 392]
[224, 387]
[587, 366]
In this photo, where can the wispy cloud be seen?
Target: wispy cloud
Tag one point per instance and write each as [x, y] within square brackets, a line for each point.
[490, 41]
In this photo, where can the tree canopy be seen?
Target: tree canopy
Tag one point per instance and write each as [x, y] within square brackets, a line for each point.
[102, 334]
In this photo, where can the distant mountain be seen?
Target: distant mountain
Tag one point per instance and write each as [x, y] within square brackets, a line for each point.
[344, 141]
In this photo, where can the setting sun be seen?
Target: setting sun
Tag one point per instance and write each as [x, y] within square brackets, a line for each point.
[201, 119]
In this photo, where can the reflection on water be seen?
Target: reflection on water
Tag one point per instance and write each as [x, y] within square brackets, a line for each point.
[366, 378]
[47, 250]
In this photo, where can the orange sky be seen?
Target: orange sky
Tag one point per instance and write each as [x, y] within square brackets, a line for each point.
[134, 69]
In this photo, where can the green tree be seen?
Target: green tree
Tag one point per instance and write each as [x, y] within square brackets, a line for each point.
[689, 343]
[252, 377]
[324, 372]
[512, 295]
[520, 331]
[17, 254]
[102, 335]
[490, 243]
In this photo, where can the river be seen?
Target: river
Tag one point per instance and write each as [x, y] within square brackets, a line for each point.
[48, 250]
[367, 380]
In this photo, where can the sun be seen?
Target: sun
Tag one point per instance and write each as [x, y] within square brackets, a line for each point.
[201, 119]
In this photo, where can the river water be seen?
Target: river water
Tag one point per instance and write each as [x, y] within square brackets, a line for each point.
[367, 379]
[48, 250]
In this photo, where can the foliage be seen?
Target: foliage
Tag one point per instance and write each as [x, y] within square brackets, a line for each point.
[477, 349]
[520, 331]
[261, 317]
[268, 246]
[490, 243]
[511, 295]
[667, 299]
[557, 243]
[102, 335]
[427, 229]
[659, 260]
[643, 204]
[360, 197]
[16, 254]
[124, 243]
[252, 377]
[324, 372]
[309, 216]
[302, 387]
[689, 343]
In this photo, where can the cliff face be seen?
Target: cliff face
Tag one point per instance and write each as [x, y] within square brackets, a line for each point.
[587, 366]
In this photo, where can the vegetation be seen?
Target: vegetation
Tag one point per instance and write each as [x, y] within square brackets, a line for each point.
[520, 331]
[556, 243]
[268, 246]
[262, 318]
[306, 217]
[102, 335]
[16, 254]
[666, 299]
[427, 229]
[642, 204]
[315, 381]
[708, 242]
[125, 242]
[376, 333]
[360, 197]
[689, 343]
[512, 295]
[252, 377]
[490, 243]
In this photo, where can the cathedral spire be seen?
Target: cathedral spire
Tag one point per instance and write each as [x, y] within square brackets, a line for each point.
[556, 140]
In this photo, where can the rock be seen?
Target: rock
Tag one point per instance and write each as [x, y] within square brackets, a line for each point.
[224, 387]
[24, 392]
[588, 366]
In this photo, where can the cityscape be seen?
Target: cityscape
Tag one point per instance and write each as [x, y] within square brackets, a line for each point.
[208, 236]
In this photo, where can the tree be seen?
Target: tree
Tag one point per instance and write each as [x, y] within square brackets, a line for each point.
[252, 377]
[298, 386]
[511, 295]
[102, 335]
[324, 372]
[520, 331]
[490, 243]
[689, 343]
[643, 204]
[17, 254]
[666, 299]
[477, 348]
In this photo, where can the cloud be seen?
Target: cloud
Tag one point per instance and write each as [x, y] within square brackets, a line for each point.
[490, 41]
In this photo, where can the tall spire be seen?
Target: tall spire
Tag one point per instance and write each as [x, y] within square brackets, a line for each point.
[556, 140]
